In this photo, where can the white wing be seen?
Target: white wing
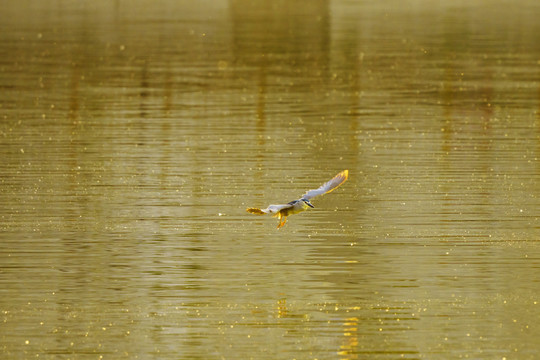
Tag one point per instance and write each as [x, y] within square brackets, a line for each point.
[328, 186]
[273, 209]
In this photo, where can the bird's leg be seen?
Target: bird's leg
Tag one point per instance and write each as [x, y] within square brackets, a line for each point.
[282, 220]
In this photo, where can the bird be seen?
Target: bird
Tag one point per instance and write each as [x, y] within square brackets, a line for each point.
[302, 204]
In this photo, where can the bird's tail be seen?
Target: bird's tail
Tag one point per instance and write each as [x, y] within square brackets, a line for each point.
[255, 211]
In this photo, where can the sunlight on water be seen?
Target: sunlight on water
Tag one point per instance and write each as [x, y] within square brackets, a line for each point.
[134, 137]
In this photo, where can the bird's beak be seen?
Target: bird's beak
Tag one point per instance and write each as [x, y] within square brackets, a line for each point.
[310, 204]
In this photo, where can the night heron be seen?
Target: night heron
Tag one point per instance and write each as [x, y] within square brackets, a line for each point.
[302, 204]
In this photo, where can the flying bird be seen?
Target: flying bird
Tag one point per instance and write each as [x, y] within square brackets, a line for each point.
[302, 204]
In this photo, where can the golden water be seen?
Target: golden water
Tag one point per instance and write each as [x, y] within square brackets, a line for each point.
[134, 135]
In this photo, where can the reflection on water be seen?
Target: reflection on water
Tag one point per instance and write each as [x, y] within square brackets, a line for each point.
[134, 136]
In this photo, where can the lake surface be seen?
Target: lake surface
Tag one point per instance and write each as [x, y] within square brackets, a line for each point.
[133, 135]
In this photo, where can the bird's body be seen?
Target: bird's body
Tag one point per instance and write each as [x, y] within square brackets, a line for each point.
[302, 204]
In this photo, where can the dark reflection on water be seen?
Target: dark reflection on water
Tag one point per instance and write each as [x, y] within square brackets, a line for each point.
[133, 136]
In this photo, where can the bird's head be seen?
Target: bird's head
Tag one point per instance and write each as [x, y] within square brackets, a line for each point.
[306, 201]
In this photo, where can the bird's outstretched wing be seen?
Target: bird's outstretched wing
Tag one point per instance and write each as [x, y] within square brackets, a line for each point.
[271, 209]
[328, 186]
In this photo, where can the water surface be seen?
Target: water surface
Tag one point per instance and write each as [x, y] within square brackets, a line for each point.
[133, 137]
